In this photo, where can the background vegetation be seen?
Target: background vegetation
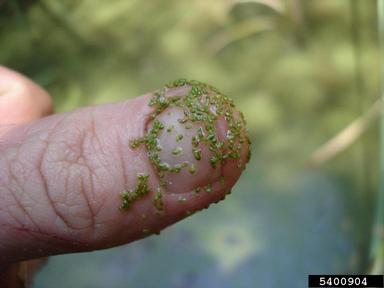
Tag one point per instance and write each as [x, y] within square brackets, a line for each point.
[301, 71]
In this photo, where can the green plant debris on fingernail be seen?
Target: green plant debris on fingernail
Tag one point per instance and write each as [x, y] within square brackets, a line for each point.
[177, 151]
[197, 153]
[170, 129]
[179, 137]
[203, 105]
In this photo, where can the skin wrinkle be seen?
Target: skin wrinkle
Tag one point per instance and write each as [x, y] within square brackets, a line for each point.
[92, 217]
[18, 204]
[84, 162]
[8, 211]
[93, 137]
[81, 161]
[43, 176]
[95, 144]
[83, 191]
[70, 165]
[101, 164]
[80, 191]
[46, 192]
[45, 143]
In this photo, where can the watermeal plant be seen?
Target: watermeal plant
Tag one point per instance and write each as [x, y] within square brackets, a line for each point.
[201, 104]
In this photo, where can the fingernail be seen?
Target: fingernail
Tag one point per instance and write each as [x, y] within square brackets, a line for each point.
[195, 132]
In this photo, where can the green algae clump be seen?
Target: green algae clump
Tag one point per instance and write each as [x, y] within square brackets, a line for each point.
[132, 195]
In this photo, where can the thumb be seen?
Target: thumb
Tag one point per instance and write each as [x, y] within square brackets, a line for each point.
[21, 100]
[107, 175]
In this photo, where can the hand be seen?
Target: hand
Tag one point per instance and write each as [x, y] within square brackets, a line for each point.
[61, 177]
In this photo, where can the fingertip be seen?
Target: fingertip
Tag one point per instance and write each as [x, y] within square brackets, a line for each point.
[196, 143]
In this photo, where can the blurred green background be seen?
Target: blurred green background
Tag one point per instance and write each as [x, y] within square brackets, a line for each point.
[301, 71]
